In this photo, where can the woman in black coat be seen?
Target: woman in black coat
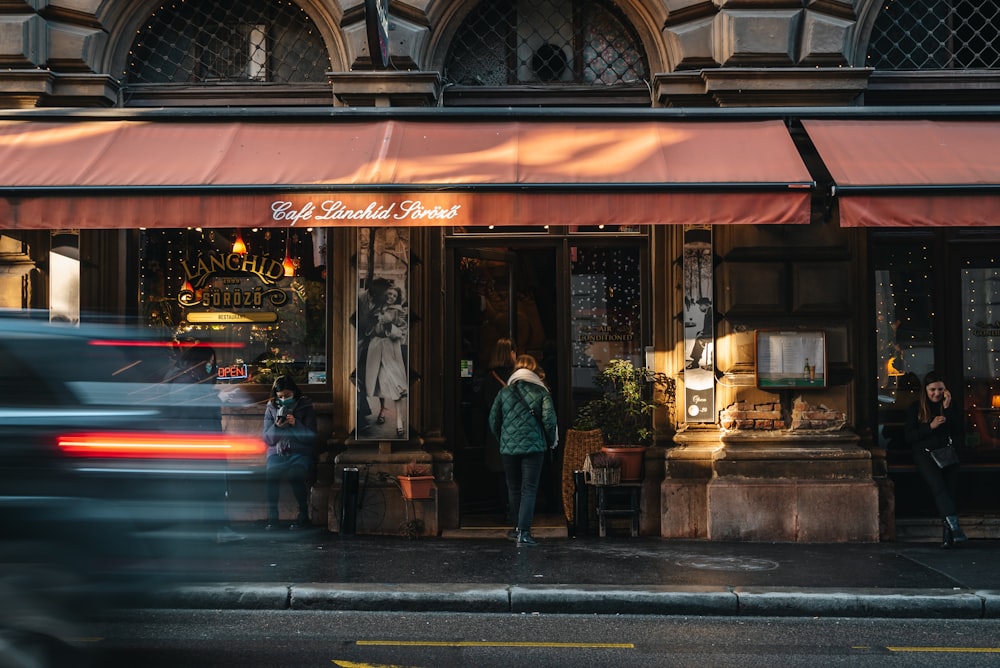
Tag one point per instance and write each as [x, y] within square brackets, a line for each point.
[932, 423]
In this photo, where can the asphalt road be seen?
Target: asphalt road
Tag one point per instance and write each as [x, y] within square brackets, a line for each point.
[196, 639]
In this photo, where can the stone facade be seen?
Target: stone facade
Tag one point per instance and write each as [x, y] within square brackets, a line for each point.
[764, 472]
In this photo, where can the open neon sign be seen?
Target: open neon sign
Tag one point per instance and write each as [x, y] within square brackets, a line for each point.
[233, 372]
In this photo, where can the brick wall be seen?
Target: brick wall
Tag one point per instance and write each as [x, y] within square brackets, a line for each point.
[743, 416]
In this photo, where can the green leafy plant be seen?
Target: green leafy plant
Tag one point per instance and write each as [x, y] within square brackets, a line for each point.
[624, 411]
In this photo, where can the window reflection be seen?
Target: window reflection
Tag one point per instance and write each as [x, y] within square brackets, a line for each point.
[904, 332]
[606, 312]
[258, 296]
[981, 360]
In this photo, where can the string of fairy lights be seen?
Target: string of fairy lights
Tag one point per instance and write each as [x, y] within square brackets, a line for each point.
[905, 313]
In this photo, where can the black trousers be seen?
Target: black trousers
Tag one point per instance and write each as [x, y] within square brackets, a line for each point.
[943, 482]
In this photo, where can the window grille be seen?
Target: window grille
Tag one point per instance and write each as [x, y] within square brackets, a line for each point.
[245, 41]
[936, 34]
[545, 42]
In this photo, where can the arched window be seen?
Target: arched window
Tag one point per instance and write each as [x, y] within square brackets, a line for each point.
[549, 42]
[936, 34]
[199, 42]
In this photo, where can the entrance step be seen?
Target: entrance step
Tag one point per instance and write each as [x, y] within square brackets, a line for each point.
[543, 526]
[928, 529]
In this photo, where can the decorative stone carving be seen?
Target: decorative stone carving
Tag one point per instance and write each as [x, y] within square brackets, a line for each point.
[22, 40]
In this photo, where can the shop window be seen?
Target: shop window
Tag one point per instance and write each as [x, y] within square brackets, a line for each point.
[605, 313]
[980, 286]
[904, 329]
[505, 43]
[936, 34]
[258, 296]
[236, 41]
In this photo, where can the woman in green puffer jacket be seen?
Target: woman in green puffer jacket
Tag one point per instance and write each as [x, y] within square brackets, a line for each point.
[523, 420]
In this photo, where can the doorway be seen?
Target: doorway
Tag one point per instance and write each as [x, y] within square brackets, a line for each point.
[501, 292]
[937, 303]
[574, 303]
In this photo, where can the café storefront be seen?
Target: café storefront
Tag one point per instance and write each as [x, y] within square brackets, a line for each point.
[499, 224]
[263, 236]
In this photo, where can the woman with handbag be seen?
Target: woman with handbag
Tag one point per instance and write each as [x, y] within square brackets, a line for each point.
[932, 425]
[523, 419]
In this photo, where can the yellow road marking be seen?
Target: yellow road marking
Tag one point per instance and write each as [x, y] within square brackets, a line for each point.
[491, 643]
[354, 664]
[969, 650]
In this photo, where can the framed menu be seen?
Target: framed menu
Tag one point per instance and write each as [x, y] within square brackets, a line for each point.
[790, 359]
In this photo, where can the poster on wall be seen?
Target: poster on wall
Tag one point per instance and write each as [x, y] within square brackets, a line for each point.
[382, 327]
[699, 324]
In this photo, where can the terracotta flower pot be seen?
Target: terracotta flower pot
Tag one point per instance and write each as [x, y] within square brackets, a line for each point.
[631, 459]
[416, 486]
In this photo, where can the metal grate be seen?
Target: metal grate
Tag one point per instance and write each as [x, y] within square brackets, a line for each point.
[247, 41]
[503, 43]
[936, 34]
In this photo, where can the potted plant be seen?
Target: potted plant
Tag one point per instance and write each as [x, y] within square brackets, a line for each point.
[624, 412]
[604, 468]
[416, 481]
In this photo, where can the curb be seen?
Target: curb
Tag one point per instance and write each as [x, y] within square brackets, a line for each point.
[590, 599]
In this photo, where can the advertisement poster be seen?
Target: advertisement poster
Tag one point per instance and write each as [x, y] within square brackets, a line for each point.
[382, 324]
[699, 325]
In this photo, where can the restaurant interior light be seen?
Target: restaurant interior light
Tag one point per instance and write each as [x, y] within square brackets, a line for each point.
[288, 264]
[239, 246]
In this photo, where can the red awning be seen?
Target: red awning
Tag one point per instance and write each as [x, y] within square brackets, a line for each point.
[912, 173]
[97, 173]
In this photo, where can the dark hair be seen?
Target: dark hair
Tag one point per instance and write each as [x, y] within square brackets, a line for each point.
[501, 353]
[284, 383]
[924, 413]
[193, 360]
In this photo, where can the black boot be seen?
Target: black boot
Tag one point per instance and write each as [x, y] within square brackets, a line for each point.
[947, 537]
[958, 536]
[525, 539]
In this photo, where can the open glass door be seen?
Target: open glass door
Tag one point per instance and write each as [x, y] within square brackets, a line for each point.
[501, 292]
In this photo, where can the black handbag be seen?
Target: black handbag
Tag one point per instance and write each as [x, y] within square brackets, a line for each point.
[944, 457]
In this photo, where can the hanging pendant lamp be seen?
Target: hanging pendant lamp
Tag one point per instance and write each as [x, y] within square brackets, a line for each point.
[288, 264]
[239, 246]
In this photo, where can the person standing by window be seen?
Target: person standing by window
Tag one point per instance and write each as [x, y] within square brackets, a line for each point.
[523, 420]
[932, 423]
[290, 435]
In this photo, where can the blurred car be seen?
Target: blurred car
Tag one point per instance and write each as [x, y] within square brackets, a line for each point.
[110, 482]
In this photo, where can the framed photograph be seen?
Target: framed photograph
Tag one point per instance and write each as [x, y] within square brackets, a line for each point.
[790, 359]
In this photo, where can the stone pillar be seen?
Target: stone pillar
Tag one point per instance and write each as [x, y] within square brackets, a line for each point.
[795, 486]
[684, 491]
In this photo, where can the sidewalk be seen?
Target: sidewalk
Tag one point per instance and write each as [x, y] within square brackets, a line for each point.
[316, 570]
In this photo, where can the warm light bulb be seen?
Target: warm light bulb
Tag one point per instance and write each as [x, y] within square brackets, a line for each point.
[288, 265]
[239, 247]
